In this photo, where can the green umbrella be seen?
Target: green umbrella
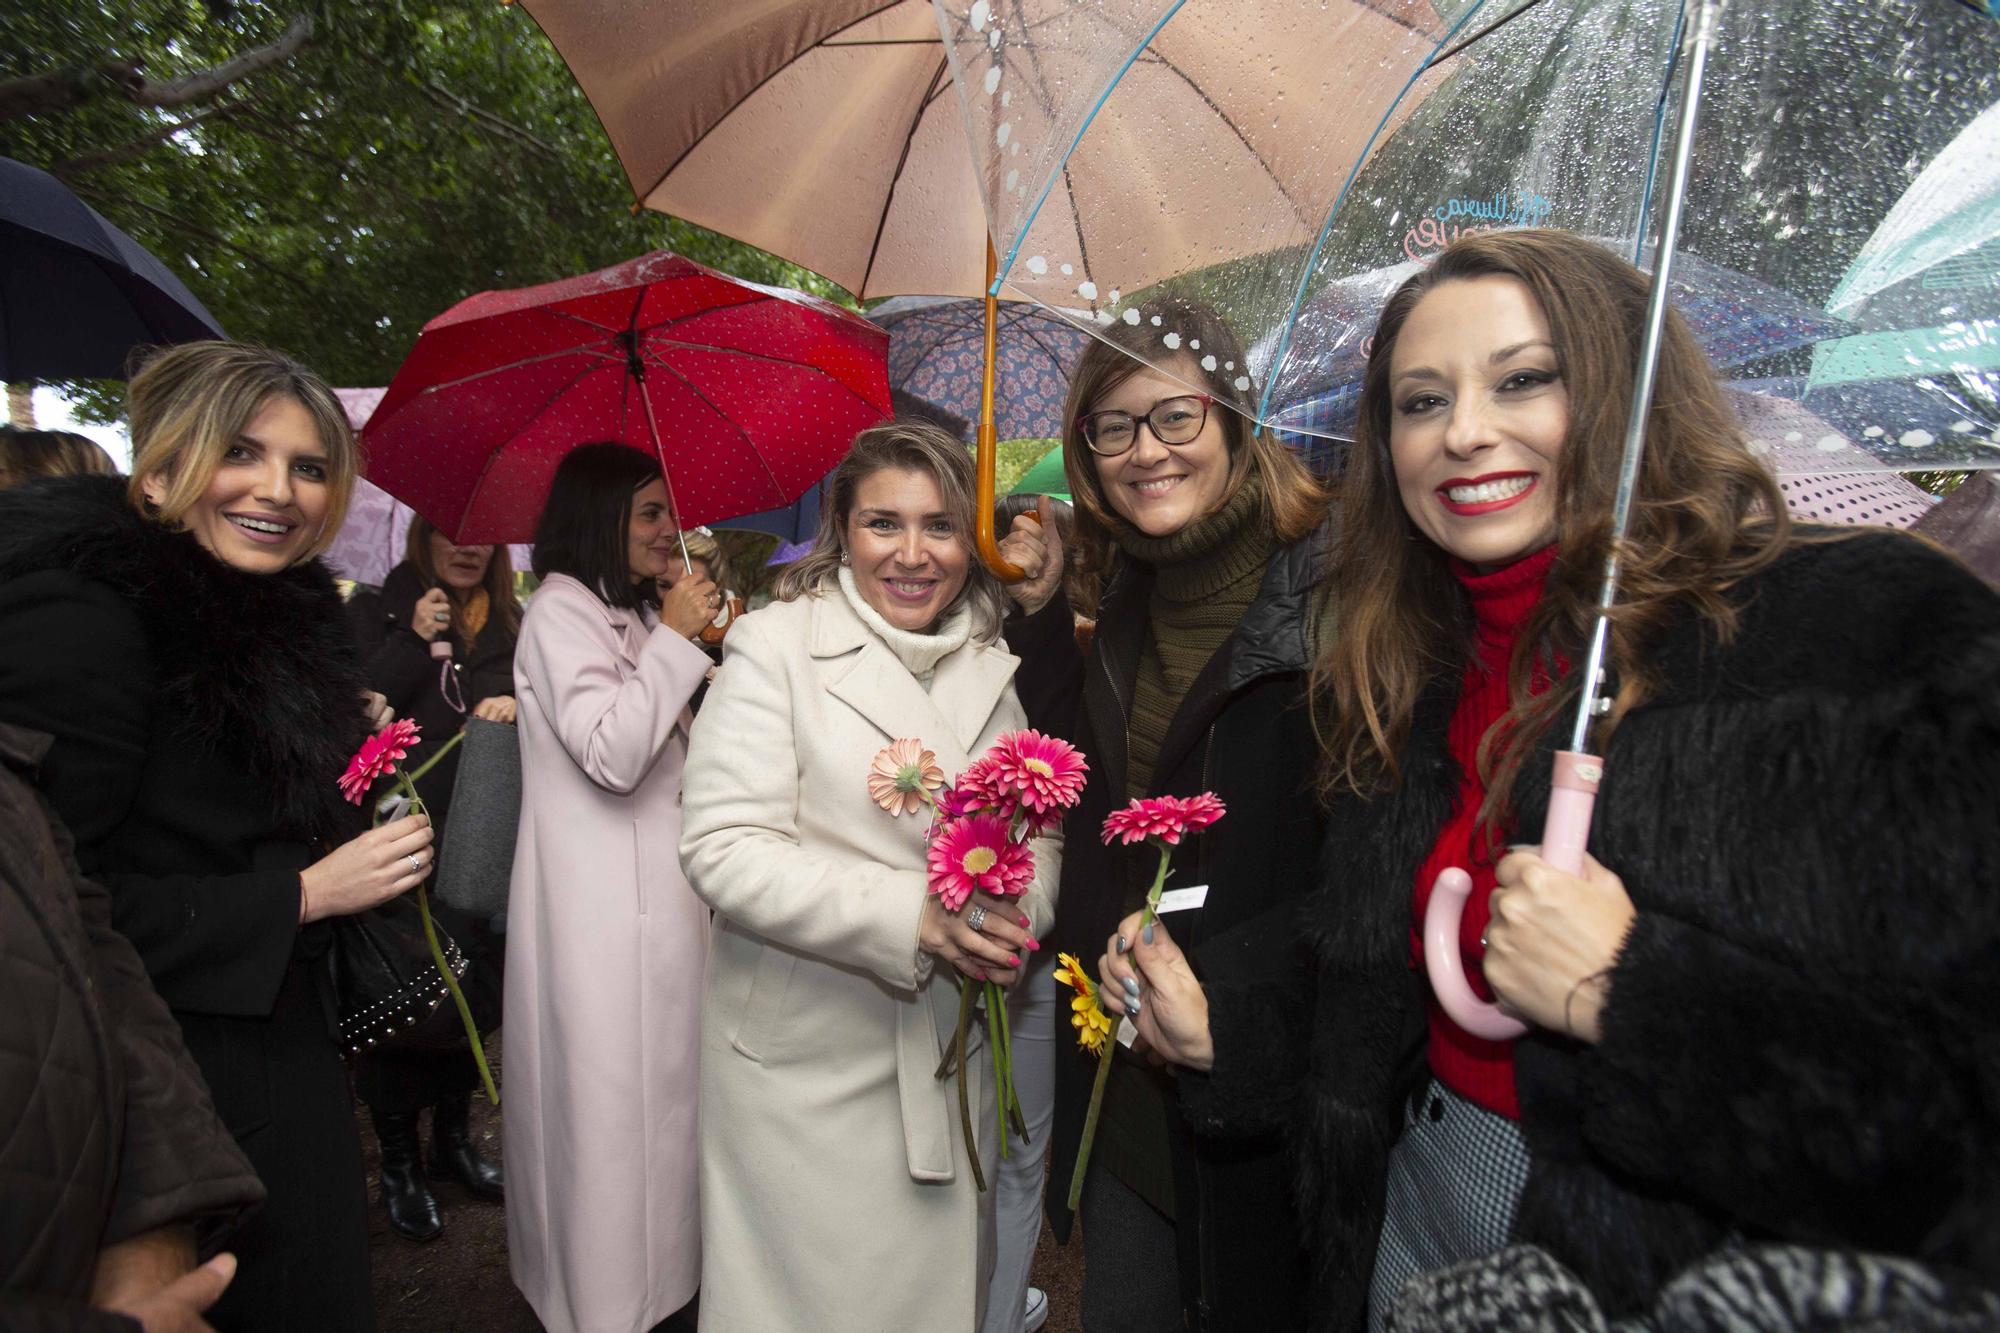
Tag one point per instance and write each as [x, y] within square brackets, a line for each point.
[1045, 477]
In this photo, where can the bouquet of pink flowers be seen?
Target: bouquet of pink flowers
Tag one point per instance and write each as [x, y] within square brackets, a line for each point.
[1161, 821]
[980, 829]
[378, 758]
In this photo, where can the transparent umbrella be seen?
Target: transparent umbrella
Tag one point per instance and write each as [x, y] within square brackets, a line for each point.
[1846, 158]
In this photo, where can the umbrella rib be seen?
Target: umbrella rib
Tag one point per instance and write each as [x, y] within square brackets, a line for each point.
[902, 160]
[742, 434]
[756, 88]
[1482, 34]
[478, 375]
[1298, 209]
[493, 456]
[605, 329]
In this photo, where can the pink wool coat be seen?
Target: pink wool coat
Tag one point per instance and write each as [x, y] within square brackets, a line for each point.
[605, 954]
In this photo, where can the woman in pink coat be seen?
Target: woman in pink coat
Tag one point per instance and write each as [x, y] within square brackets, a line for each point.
[605, 943]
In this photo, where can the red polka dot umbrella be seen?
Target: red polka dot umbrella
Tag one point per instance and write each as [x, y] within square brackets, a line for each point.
[747, 394]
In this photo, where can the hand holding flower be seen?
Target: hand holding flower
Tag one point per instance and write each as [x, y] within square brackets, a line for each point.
[992, 953]
[366, 871]
[1150, 979]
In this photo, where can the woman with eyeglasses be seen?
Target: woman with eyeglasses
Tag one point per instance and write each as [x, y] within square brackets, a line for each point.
[1202, 532]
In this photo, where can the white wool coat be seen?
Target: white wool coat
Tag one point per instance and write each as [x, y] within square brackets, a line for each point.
[605, 951]
[835, 1190]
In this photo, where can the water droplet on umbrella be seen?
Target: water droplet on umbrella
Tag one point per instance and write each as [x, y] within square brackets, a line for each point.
[1172, 340]
[1156, 321]
[1194, 344]
[1012, 178]
[1963, 427]
[1916, 439]
[980, 9]
[1793, 437]
[1208, 362]
[992, 80]
[1759, 447]
[1068, 271]
[1007, 98]
[1005, 132]
[1242, 383]
[1087, 290]
[1036, 264]
[1874, 432]
[1830, 444]
[993, 39]
[1132, 315]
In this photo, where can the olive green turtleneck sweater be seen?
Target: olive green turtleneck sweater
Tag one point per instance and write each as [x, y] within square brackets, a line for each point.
[1204, 578]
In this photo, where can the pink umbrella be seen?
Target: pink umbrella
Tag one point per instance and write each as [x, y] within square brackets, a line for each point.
[747, 394]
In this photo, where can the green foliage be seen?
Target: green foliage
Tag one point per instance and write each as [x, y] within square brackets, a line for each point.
[410, 153]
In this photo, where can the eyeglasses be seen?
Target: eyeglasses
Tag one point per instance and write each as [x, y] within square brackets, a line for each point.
[1175, 420]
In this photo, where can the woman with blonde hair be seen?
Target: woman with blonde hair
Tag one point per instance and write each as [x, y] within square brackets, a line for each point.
[437, 640]
[831, 1151]
[179, 638]
[1202, 534]
[1764, 1019]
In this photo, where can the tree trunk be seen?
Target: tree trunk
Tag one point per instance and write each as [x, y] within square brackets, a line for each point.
[21, 405]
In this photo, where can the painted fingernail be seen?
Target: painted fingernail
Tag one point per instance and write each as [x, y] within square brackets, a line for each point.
[1013, 960]
[1025, 923]
[1034, 944]
[1135, 1007]
[1131, 987]
[1119, 945]
[980, 975]
[1147, 934]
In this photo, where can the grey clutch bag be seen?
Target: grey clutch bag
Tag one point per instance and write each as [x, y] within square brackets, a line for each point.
[478, 854]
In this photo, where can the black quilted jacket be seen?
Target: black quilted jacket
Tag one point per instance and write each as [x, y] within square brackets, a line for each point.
[109, 1128]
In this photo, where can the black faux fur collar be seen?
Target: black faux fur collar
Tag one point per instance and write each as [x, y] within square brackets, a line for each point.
[258, 668]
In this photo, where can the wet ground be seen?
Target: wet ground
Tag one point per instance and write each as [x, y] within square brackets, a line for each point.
[458, 1283]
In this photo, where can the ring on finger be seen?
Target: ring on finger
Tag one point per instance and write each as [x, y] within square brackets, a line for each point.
[976, 918]
[416, 863]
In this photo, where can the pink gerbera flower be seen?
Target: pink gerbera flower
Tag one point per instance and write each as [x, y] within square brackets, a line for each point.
[1165, 818]
[974, 852]
[377, 757]
[1042, 772]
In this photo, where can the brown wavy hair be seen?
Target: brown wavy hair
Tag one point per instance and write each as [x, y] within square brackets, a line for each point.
[502, 609]
[1705, 515]
[1294, 501]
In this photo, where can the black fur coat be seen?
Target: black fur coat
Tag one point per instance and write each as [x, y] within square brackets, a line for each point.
[202, 716]
[1802, 1037]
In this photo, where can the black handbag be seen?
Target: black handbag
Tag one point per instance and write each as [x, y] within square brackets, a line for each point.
[386, 985]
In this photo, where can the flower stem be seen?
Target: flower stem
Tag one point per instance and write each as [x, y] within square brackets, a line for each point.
[964, 1099]
[1152, 912]
[411, 778]
[995, 1024]
[1090, 1123]
[407, 781]
[1010, 1099]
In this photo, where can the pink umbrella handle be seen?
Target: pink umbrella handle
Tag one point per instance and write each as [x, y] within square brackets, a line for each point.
[1563, 839]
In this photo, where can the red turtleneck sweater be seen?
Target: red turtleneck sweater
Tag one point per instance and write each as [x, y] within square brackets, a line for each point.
[1478, 1070]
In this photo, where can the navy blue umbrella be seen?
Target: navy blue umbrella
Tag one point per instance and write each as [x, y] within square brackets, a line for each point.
[77, 294]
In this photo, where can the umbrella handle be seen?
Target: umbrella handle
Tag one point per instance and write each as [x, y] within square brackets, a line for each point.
[1571, 801]
[983, 534]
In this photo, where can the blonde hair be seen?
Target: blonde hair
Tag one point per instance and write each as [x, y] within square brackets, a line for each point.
[28, 454]
[916, 446]
[702, 546]
[189, 403]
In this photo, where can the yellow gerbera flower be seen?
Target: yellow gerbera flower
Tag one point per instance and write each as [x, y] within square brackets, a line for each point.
[1092, 1024]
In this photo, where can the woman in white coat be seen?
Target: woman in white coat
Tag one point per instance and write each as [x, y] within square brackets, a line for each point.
[836, 1193]
[605, 943]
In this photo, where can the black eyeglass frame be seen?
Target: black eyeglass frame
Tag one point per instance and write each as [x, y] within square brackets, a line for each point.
[1084, 431]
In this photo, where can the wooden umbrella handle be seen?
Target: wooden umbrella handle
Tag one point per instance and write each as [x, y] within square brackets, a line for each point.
[983, 534]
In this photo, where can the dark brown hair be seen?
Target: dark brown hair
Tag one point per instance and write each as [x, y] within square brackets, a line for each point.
[1294, 501]
[1705, 515]
[502, 609]
[587, 520]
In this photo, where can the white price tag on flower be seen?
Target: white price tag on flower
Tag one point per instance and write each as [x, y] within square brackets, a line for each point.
[1183, 900]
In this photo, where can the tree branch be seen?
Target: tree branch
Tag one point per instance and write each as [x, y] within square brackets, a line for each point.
[485, 117]
[139, 147]
[61, 89]
[194, 229]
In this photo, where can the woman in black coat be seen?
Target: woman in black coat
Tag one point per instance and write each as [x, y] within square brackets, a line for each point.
[1768, 1013]
[459, 599]
[188, 653]
[1203, 534]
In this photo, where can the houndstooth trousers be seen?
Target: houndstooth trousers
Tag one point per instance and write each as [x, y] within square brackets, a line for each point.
[1455, 1177]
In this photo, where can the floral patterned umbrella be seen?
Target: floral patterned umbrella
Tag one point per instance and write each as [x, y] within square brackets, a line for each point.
[936, 353]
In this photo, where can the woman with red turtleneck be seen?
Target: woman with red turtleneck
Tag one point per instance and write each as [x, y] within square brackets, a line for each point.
[1761, 1047]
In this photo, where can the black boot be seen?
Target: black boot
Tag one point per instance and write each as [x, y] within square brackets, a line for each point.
[413, 1211]
[454, 1155]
